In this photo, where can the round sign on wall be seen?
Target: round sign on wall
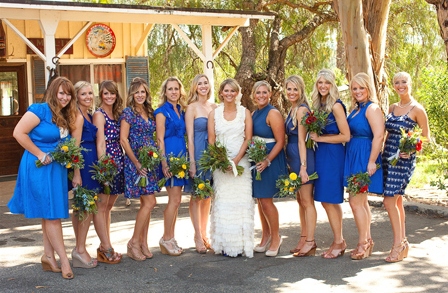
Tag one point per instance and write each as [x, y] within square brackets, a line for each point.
[100, 40]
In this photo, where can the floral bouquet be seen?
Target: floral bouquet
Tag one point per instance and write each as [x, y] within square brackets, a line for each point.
[314, 121]
[215, 157]
[104, 172]
[150, 159]
[178, 166]
[256, 152]
[410, 142]
[202, 188]
[290, 184]
[84, 202]
[359, 182]
[67, 153]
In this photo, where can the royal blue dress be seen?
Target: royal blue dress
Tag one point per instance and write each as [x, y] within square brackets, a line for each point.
[41, 192]
[200, 145]
[396, 178]
[330, 158]
[141, 134]
[114, 150]
[292, 148]
[359, 147]
[174, 137]
[265, 188]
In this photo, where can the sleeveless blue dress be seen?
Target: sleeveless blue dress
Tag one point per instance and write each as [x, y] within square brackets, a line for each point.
[41, 192]
[140, 134]
[174, 137]
[396, 178]
[200, 145]
[330, 158]
[114, 150]
[358, 149]
[265, 188]
[292, 149]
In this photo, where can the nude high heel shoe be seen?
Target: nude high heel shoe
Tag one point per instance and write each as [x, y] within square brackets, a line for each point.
[263, 248]
[274, 252]
[47, 266]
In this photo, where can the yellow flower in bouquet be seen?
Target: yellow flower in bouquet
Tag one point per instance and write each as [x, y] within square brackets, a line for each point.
[288, 185]
[177, 166]
[84, 202]
[149, 157]
[202, 189]
[66, 153]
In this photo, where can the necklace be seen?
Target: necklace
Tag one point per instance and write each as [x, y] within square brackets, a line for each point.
[405, 105]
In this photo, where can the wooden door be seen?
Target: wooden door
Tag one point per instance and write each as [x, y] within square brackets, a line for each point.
[13, 104]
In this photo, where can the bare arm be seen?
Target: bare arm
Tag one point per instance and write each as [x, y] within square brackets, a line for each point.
[302, 111]
[160, 131]
[77, 134]
[247, 135]
[422, 121]
[376, 121]
[211, 128]
[99, 121]
[189, 123]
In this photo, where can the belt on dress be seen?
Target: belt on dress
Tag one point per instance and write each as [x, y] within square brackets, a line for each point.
[360, 136]
[266, 140]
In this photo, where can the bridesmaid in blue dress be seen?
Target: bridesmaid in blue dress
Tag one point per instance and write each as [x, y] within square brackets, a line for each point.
[106, 119]
[137, 130]
[196, 118]
[268, 125]
[330, 156]
[42, 192]
[301, 161]
[170, 128]
[363, 153]
[85, 134]
[406, 114]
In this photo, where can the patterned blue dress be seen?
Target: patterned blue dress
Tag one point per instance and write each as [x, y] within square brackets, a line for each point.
[174, 137]
[41, 192]
[265, 188]
[140, 134]
[396, 178]
[358, 149]
[292, 149]
[200, 145]
[330, 158]
[113, 149]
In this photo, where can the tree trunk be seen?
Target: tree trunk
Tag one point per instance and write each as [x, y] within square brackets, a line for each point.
[442, 18]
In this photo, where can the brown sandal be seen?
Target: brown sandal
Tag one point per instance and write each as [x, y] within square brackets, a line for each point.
[108, 256]
[295, 249]
[339, 248]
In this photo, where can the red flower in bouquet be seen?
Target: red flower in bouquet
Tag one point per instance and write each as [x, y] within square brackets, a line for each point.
[104, 171]
[150, 159]
[410, 142]
[314, 121]
[66, 153]
[359, 182]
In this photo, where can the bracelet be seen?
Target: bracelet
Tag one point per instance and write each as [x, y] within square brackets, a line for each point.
[303, 164]
[269, 161]
[193, 162]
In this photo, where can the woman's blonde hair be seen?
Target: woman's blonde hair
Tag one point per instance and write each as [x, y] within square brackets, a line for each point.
[257, 85]
[234, 85]
[112, 87]
[79, 86]
[62, 116]
[136, 83]
[406, 76]
[300, 84]
[162, 93]
[363, 80]
[333, 95]
[193, 93]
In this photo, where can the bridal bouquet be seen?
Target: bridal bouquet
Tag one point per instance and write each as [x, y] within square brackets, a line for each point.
[215, 157]
[410, 142]
[290, 184]
[150, 159]
[84, 202]
[359, 182]
[104, 171]
[67, 153]
[256, 152]
[314, 121]
[202, 188]
[178, 166]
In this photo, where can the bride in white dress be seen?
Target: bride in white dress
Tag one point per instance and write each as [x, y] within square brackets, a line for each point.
[232, 217]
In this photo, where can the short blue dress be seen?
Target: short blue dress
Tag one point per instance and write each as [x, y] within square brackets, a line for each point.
[140, 134]
[114, 150]
[174, 137]
[359, 147]
[265, 188]
[200, 145]
[330, 159]
[292, 148]
[396, 178]
[41, 192]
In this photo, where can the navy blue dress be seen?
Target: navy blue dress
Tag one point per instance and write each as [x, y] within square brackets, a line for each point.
[265, 188]
[174, 137]
[292, 148]
[396, 178]
[330, 159]
[359, 147]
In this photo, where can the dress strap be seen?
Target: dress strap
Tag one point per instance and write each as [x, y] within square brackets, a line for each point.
[410, 110]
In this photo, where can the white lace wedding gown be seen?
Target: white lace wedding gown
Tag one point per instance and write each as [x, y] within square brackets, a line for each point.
[232, 217]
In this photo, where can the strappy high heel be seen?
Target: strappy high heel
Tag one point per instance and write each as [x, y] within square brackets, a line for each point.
[146, 252]
[406, 247]
[207, 244]
[108, 256]
[396, 253]
[295, 249]
[339, 248]
[311, 251]
[358, 254]
[371, 245]
[135, 253]
[169, 247]
[263, 248]
[47, 266]
[200, 247]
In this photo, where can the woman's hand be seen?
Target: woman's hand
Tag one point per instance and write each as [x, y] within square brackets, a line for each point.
[45, 159]
[304, 175]
[192, 170]
[77, 180]
[371, 168]
[315, 137]
[141, 171]
[405, 155]
[166, 170]
[261, 166]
